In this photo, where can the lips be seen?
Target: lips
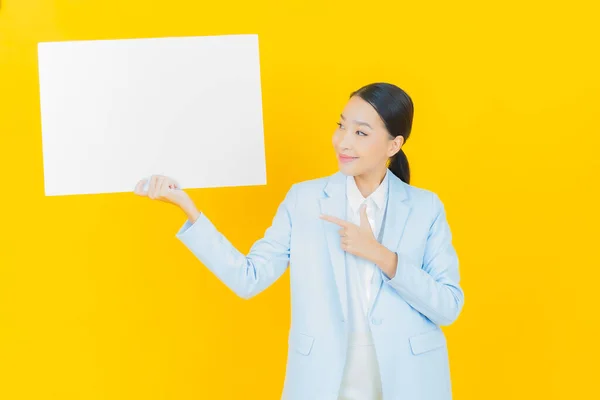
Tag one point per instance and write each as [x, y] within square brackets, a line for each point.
[346, 159]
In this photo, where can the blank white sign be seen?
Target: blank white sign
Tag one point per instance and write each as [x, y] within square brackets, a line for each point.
[116, 111]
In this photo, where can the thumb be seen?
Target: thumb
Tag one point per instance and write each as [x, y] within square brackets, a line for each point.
[173, 184]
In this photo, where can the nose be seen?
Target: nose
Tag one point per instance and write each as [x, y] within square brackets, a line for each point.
[346, 140]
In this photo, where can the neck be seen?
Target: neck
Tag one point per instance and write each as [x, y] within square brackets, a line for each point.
[368, 182]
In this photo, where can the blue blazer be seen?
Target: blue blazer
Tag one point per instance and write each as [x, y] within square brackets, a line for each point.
[407, 312]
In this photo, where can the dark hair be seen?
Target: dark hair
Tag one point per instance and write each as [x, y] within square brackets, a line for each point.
[396, 109]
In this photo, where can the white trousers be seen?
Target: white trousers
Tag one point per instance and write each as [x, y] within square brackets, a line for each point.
[361, 379]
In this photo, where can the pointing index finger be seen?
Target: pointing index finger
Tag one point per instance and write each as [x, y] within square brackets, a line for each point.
[335, 220]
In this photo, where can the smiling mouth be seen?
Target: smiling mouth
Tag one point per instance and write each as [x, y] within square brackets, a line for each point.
[346, 159]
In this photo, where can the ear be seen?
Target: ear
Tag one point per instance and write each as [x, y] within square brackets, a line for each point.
[395, 145]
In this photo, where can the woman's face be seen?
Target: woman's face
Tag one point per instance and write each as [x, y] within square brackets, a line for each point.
[362, 143]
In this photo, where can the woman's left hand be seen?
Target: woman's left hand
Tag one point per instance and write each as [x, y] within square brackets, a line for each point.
[355, 239]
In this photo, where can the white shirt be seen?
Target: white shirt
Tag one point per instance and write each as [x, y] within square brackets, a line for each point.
[361, 376]
[376, 204]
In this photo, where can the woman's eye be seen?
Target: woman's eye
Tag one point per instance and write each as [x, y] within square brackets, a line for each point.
[340, 125]
[360, 132]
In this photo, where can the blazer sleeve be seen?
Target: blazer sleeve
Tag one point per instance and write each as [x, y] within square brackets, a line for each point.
[431, 285]
[246, 275]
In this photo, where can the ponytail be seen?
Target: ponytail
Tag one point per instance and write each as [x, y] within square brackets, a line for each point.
[399, 166]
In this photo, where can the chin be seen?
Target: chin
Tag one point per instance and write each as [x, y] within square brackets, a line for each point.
[348, 171]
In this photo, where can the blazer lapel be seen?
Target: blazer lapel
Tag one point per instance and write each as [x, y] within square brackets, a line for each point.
[335, 204]
[397, 212]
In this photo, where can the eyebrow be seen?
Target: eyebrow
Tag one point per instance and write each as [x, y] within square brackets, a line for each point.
[357, 122]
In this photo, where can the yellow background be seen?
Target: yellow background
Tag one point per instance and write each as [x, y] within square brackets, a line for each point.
[98, 300]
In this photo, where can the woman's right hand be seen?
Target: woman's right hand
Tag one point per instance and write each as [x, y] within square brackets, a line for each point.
[165, 189]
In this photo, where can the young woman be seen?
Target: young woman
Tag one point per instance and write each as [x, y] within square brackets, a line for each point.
[373, 271]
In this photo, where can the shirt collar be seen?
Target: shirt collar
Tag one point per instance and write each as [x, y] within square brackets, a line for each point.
[355, 197]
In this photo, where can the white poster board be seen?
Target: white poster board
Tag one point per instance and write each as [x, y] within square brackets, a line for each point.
[116, 111]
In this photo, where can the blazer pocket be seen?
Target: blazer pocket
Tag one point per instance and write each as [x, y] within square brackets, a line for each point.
[301, 343]
[427, 341]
